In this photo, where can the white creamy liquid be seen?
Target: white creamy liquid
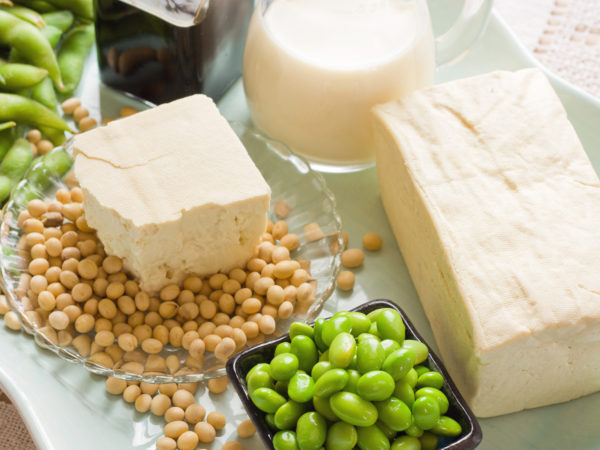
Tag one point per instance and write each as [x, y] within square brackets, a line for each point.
[314, 68]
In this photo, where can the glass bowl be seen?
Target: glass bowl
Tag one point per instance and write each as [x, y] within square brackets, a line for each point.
[239, 365]
[291, 181]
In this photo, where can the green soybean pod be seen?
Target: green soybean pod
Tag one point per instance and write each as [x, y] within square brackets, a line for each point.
[406, 443]
[341, 436]
[283, 347]
[41, 6]
[81, 8]
[311, 431]
[285, 440]
[330, 382]
[342, 350]
[369, 355]
[360, 323]
[6, 186]
[260, 366]
[399, 362]
[57, 137]
[306, 350]
[318, 329]
[24, 13]
[21, 109]
[429, 441]
[258, 379]
[52, 34]
[352, 384]
[301, 329]
[301, 387]
[31, 43]
[284, 366]
[431, 379]
[72, 55]
[7, 138]
[43, 93]
[17, 160]
[390, 325]
[6, 126]
[404, 392]
[394, 413]
[20, 76]
[446, 426]
[323, 407]
[267, 400]
[437, 394]
[372, 438]
[59, 19]
[319, 369]
[426, 411]
[335, 326]
[376, 385]
[288, 414]
[421, 351]
[353, 409]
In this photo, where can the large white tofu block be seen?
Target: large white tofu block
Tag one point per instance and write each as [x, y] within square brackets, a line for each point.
[496, 209]
[172, 191]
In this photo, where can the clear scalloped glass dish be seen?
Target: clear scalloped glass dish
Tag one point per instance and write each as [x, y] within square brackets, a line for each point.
[291, 180]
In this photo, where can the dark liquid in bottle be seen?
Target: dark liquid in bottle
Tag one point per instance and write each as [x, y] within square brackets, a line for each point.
[146, 56]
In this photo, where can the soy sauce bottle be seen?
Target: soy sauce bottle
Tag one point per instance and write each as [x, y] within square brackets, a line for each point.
[161, 50]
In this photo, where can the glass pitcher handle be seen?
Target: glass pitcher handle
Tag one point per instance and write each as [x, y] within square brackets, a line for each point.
[455, 42]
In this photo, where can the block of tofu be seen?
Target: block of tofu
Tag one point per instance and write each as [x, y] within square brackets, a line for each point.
[172, 191]
[496, 209]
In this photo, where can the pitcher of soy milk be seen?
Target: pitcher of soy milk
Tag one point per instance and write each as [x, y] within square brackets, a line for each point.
[313, 69]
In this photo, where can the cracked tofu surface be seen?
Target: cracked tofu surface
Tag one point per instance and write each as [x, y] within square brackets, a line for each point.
[496, 209]
[172, 191]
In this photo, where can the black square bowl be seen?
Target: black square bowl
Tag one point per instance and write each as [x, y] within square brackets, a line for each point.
[239, 365]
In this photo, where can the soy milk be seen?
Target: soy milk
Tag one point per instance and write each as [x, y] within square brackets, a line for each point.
[314, 68]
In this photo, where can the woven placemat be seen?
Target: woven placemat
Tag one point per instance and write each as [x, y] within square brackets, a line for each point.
[13, 434]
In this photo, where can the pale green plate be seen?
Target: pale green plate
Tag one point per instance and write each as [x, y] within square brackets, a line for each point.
[66, 408]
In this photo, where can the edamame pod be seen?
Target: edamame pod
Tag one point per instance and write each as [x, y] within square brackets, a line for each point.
[341, 436]
[352, 409]
[372, 438]
[41, 6]
[59, 19]
[31, 43]
[43, 93]
[81, 8]
[57, 137]
[285, 440]
[6, 186]
[24, 13]
[52, 34]
[311, 431]
[6, 140]
[20, 76]
[20, 109]
[17, 160]
[71, 58]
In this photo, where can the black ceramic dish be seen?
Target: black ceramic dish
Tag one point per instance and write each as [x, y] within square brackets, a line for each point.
[240, 364]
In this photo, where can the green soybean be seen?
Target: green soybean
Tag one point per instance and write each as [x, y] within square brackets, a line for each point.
[318, 329]
[31, 43]
[261, 366]
[411, 377]
[283, 347]
[20, 76]
[426, 411]
[342, 350]
[399, 362]
[389, 433]
[404, 392]
[267, 399]
[24, 13]
[352, 384]
[330, 382]
[323, 407]
[81, 8]
[431, 379]
[341, 436]
[374, 314]
[320, 368]
[369, 354]
[21, 109]
[311, 431]
[335, 326]
[421, 351]
[59, 19]
[421, 370]
[259, 379]
[373, 329]
[285, 440]
[372, 438]
[447, 426]
[353, 409]
[72, 55]
[376, 385]
[394, 413]
[406, 443]
[270, 419]
[281, 387]
[324, 356]
[288, 414]
[429, 441]
[414, 430]
[437, 394]
[390, 325]
[363, 336]
[284, 366]
[389, 346]
[301, 387]
[360, 323]
[306, 350]
[301, 329]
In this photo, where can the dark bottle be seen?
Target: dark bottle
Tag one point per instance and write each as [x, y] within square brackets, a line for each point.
[161, 50]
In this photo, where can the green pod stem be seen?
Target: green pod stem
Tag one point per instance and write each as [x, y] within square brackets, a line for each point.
[59, 19]
[21, 109]
[81, 8]
[51, 33]
[7, 125]
[31, 43]
[73, 52]
[41, 6]
[26, 14]
[54, 135]
[43, 93]
[20, 76]
[17, 160]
